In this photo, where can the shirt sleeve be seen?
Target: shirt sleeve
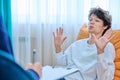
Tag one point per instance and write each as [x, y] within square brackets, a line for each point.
[33, 74]
[105, 65]
[61, 58]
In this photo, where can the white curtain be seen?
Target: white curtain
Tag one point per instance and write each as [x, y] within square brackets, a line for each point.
[34, 22]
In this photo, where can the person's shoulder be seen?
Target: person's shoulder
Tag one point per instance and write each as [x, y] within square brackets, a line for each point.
[109, 45]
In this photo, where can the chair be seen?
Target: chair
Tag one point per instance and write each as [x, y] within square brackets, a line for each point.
[116, 42]
[10, 70]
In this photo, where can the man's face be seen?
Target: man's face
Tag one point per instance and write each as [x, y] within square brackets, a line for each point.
[96, 25]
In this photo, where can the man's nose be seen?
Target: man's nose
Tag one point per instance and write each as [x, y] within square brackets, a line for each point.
[92, 22]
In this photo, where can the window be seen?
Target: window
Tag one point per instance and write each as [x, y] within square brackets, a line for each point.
[42, 10]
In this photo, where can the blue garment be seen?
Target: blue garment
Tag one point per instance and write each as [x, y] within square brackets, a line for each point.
[5, 42]
[6, 46]
[10, 70]
[33, 74]
[62, 79]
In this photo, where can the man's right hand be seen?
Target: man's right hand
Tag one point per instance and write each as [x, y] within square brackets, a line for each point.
[58, 39]
[37, 67]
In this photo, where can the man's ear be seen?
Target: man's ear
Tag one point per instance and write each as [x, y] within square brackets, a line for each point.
[105, 27]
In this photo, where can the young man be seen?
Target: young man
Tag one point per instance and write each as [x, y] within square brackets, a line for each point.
[93, 56]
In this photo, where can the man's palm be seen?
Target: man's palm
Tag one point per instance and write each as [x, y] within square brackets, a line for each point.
[58, 38]
[101, 42]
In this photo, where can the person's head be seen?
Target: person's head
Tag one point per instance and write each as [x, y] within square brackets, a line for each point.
[99, 21]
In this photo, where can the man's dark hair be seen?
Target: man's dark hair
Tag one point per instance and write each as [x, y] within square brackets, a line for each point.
[103, 15]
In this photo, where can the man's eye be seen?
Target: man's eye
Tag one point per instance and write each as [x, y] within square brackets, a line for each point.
[97, 20]
[90, 19]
